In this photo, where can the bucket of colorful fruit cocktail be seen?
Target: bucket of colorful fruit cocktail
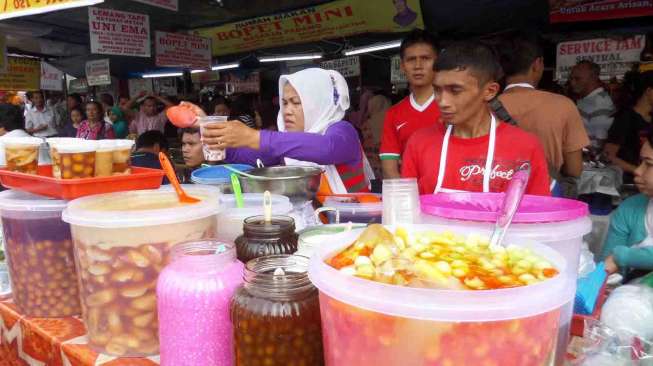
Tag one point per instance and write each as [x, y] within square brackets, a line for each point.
[419, 295]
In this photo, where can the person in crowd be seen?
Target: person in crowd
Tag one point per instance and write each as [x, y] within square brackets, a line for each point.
[221, 107]
[471, 150]
[418, 53]
[595, 105]
[266, 115]
[127, 109]
[148, 117]
[119, 122]
[631, 124]
[77, 116]
[191, 149]
[73, 101]
[629, 242]
[107, 103]
[148, 146]
[94, 127]
[553, 118]
[10, 114]
[243, 110]
[372, 127]
[10, 127]
[40, 119]
[59, 105]
[311, 132]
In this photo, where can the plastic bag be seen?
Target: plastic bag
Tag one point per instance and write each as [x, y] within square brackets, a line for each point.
[605, 346]
[630, 308]
[587, 264]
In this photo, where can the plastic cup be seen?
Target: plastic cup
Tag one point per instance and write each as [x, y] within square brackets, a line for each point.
[122, 156]
[40, 255]
[401, 203]
[211, 155]
[104, 158]
[122, 241]
[22, 154]
[54, 155]
[77, 159]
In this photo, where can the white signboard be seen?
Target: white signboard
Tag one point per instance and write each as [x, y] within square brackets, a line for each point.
[78, 86]
[138, 86]
[165, 4]
[165, 86]
[181, 50]
[348, 66]
[396, 75]
[51, 77]
[615, 56]
[98, 72]
[115, 32]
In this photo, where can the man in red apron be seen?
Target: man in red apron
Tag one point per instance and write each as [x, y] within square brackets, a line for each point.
[471, 150]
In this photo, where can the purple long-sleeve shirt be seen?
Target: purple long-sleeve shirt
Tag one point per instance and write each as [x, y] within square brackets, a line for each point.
[339, 145]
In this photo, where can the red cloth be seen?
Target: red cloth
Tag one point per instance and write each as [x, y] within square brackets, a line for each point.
[401, 121]
[466, 160]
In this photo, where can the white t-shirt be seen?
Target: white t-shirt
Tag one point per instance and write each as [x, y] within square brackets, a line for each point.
[597, 111]
[35, 118]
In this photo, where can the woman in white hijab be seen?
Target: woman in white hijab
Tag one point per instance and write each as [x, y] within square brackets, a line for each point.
[311, 132]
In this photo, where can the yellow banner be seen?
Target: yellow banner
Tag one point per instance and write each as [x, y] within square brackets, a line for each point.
[3, 53]
[23, 74]
[336, 19]
[19, 8]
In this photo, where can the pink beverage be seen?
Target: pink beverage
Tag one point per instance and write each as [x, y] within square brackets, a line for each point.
[193, 296]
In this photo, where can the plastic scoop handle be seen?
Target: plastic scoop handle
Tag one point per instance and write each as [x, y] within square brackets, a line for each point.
[267, 206]
[232, 169]
[238, 192]
[511, 201]
[172, 177]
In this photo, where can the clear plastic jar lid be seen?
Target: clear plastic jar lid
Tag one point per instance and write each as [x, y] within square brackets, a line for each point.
[14, 200]
[348, 204]
[21, 141]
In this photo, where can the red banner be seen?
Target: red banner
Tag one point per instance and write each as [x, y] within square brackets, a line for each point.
[583, 10]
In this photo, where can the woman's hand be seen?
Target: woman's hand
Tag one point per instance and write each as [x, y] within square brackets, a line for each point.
[230, 134]
[610, 265]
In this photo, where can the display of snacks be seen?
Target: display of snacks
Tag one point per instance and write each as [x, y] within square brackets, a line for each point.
[440, 260]
[104, 158]
[39, 255]
[77, 160]
[276, 315]
[122, 242]
[122, 156]
[22, 154]
[54, 155]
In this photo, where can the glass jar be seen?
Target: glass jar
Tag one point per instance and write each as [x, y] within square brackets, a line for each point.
[276, 314]
[193, 297]
[262, 238]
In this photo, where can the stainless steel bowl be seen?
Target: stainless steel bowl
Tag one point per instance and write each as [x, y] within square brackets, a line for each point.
[298, 183]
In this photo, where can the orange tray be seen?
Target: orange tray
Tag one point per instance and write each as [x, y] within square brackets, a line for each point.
[69, 189]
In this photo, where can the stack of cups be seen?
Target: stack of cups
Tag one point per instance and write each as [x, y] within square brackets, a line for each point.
[211, 155]
[400, 201]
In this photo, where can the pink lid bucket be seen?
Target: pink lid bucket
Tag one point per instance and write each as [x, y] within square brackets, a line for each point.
[485, 207]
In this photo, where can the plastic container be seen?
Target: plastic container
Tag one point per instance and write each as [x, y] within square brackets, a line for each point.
[370, 323]
[193, 296]
[104, 158]
[122, 242]
[218, 176]
[77, 160]
[401, 204]
[22, 154]
[261, 238]
[54, 155]
[211, 155]
[311, 238]
[39, 255]
[122, 152]
[44, 184]
[231, 218]
[276, 315]
[351, 210]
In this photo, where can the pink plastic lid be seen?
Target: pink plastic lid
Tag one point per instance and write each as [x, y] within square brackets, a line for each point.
[485, 207]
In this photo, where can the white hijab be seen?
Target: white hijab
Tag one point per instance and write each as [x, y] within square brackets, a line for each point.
[325, 99]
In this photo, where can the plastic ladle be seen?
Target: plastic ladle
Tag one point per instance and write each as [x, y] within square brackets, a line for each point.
[511, 201]
[238, 192]
[172, 177]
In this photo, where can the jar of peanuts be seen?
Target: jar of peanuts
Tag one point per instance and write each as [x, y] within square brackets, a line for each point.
[276, 314]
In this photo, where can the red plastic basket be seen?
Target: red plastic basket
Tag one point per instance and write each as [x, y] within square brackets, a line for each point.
[68, 189]
[578, 320]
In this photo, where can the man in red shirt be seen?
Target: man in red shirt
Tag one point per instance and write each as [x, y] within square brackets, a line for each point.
[471, 150]
[418, 53]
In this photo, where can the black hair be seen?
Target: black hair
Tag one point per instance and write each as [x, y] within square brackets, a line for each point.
[77, 97]
[649, 136]
[633, 88]
[149, 98]
[594, 67]
[98, 105]
[242, 105]
[189, 130]
[107, 99]
[80, 110]
[517, 54]
[418, 36]
[150, 138]
[479, 58]
[30, 94]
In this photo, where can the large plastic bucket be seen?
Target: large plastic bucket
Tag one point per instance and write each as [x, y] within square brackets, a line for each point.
[365, 322]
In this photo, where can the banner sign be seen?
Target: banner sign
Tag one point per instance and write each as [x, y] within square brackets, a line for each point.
[138, 86]
[396, 75]
[165, 4]
[78, 86]
[348, 66]
[615, 56]
[340, 18]
[98, 72]
[23, 74]
[250, 84]
[165, 86]
[181, 50]
[575, 10]
[115, 32]
[19, 8]
[51, 77]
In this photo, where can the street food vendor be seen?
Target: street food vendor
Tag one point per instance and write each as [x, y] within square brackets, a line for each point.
[629, 243]
[472, 150]
[311, 132]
